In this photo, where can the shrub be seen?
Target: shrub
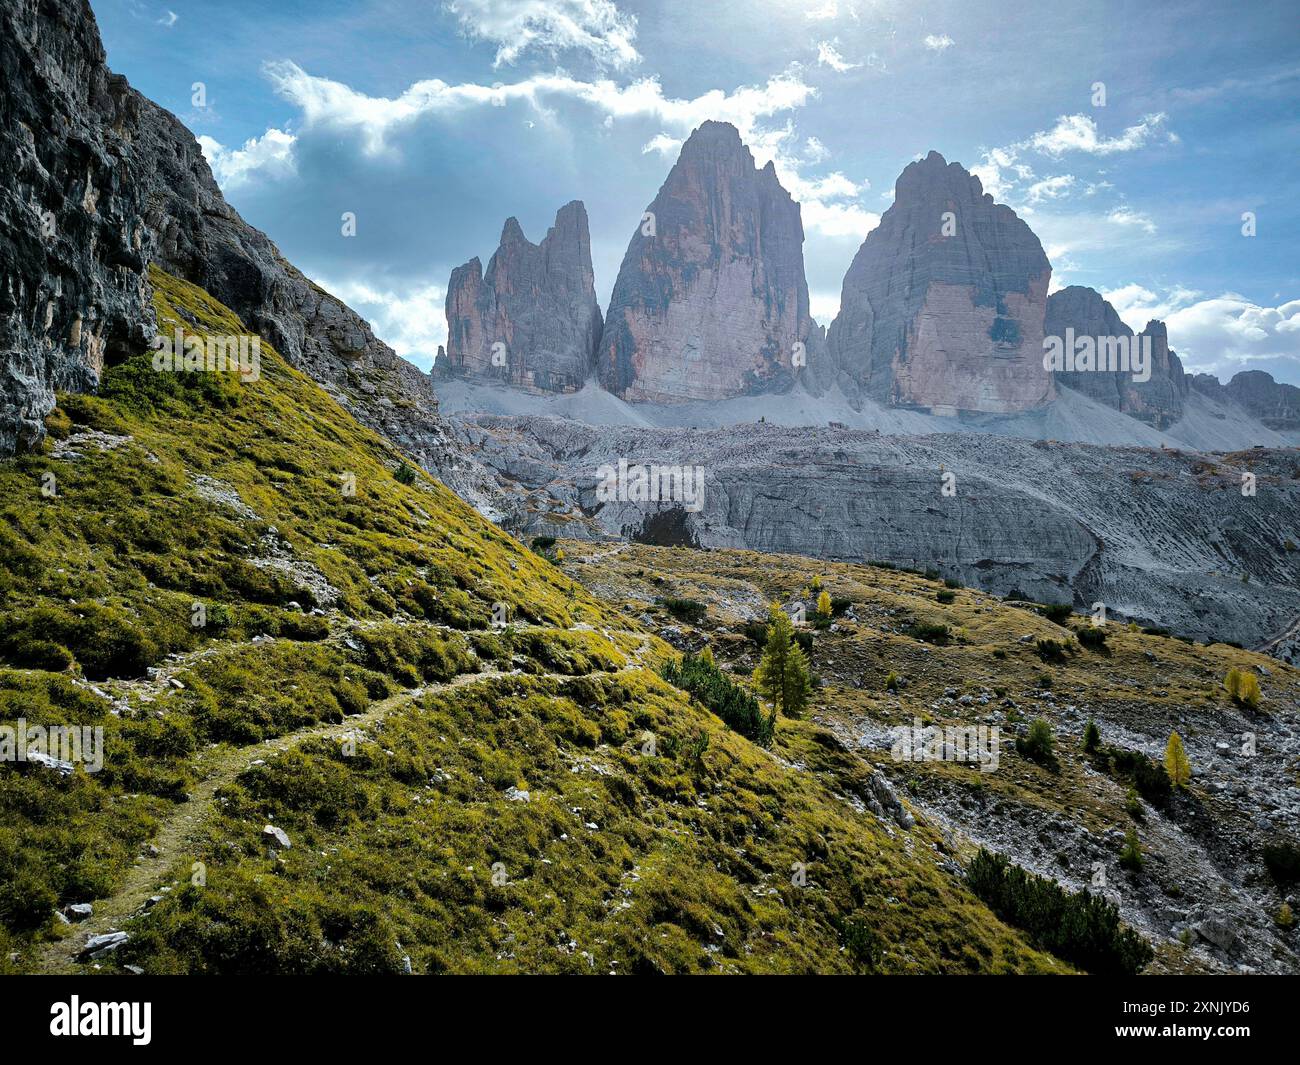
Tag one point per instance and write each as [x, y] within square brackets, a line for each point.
[927, 632]
[1093, 637]
[1131, 856]
[738, 708]
[1176, 762]
[688, 611]
[1151, 780]
[1058, 613]
[1038, 745]
[824, 607]
[304, 627]
[1133, 805]
[945, 596]
[1091, 736]
[405, 474]
[542, 544]
[1053, 651]
[105, 641]
[1243, 687]
[1080, 928]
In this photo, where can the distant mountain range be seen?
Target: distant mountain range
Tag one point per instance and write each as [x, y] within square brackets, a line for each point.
[943, 311]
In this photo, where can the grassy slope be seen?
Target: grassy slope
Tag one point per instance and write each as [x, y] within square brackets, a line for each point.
[1140, 684]
[213, 731]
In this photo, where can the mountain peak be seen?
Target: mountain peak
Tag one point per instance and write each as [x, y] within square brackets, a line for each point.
[934, 178]
[711, 301]
[532, 319]
[942, 308]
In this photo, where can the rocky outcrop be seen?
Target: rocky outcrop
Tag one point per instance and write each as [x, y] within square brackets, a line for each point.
[942, 308]
[73, 243]
[1159, 535]
[201, 238]
[711, 300]
[1275, 404]
[1159, 400]
[532, 320]
[105, 182]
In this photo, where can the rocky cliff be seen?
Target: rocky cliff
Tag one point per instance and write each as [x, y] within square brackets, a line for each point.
[532, 320]
[1158, 401]
[711, 299]
[1277, 405]
[73, 242]
[106, 182]
[1161, 536]
[942, 308]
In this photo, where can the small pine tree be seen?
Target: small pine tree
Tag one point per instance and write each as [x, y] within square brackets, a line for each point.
[1243, 687]
[1038, 745]
[1131, 856]
[1091, 736]
[559, 554]
[1176, 763]
[782, 675]
[816, 586]
[706, 656]
[824, 606]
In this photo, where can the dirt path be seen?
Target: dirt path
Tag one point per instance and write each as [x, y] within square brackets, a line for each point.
[217, 767]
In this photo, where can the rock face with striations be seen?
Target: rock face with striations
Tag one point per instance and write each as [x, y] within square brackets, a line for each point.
[1158, 401]
[532, 320]
[98, 183]
[73, 243]
[711, 299]
[942, 308]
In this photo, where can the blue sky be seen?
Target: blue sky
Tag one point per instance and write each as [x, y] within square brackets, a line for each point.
[432, 122]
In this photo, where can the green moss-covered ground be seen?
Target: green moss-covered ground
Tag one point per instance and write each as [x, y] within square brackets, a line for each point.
[346, 685]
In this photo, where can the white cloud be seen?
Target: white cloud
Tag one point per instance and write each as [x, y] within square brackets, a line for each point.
[830, 9]
[824, 306]
[411, 321]
[938, 42]
[830, 203]
[1078, 133]
[1052, 188]
[999, 171]
[169, 20]
[336, 106]
[838, 219]
[815, 151]
[1220, 334]
[269, 156]
[1126, 216]
[828, 55]
[663, 144]
[596, 27]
